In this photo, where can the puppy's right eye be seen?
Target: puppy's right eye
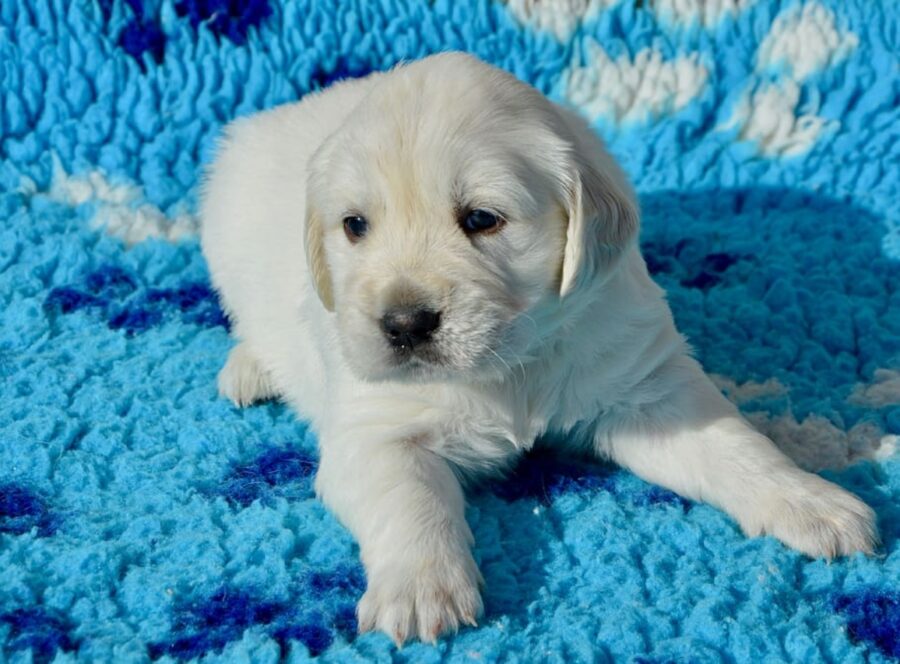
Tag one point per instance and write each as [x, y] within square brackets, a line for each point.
[480, 221]
[355, 227]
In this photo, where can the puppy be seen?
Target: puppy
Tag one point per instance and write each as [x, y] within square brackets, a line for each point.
[435, 266]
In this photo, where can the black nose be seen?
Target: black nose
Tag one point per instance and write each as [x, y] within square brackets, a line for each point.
[408, 327]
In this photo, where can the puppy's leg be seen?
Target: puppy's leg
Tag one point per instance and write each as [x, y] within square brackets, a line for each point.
[699, 446]
[243, 380]
[406, 509]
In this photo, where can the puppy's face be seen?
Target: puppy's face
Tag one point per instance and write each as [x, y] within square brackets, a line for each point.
[438, 219]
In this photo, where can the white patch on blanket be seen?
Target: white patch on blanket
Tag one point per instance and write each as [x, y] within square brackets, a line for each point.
[637, 90]
[741, 393]
[770, 117]
[118, 208]
[815, 443]
[801, 42]
[558, 17]
[884, 390]
[804, 40]
[707, 13]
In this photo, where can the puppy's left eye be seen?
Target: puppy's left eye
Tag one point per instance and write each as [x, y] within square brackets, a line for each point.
[355, 227]
[480, 221]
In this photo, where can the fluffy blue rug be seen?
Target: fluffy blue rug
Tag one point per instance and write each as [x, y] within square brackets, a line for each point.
[143, 518]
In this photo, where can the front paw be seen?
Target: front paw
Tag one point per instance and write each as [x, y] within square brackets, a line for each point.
[243, 380]
[815, 517]
[421, 598]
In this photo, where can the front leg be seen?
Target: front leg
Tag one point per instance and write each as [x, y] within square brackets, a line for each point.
[697, 444]
[406, 508]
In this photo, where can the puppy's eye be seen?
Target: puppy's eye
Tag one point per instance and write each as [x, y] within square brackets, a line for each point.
[480, 221]
[355, 227]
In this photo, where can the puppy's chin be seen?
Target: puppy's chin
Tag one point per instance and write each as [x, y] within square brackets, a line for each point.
[430, 364]
[414, 369]
[425, 366]
[431, 367]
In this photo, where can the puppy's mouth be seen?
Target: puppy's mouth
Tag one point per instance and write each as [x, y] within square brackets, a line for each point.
[417, 361]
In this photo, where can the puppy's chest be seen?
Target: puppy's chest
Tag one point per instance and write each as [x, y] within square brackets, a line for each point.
[559, 395]
[509, 417]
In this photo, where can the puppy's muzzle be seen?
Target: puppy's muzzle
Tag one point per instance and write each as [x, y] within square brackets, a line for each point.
[410, 326]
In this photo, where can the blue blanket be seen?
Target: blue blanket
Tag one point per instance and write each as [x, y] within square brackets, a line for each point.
[144, 518]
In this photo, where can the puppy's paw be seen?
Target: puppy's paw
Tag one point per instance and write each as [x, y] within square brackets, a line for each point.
[422, 600]
[243, 380]
[815, 517]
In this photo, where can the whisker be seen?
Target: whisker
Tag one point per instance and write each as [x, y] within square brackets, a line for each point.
[516, 357]
[504, 362]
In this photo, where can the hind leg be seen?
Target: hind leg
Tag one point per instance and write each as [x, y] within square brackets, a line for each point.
[243, 380]
[697, 445]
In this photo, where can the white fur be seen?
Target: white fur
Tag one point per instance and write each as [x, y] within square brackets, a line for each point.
[550, 324]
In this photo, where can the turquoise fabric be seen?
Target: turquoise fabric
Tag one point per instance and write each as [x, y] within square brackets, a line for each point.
[144, 518]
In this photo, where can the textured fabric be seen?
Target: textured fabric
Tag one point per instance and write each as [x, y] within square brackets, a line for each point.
[142, 517]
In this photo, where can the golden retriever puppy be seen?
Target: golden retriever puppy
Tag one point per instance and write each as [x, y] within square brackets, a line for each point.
[437, 265]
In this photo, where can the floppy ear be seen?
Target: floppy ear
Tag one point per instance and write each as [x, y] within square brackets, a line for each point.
[315, 258]
[602, 210]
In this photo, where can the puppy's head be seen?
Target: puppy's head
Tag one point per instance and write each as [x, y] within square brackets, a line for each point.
[453, 202]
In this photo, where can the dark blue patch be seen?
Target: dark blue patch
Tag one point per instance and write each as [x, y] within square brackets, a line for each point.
[142, 34]
[873, 617]
[704, 281]
[140, 37]
[719, 262]
[708, 272]
[215, 622]
[41, 630]
[277, 471]
[312, 617]
[21, 510]
[65, 300]
[657, 262]
[311, 632]
[135, 319]
[683, 260]
[105, 8]
[228, 608]
[345, 620]
[656, 495]
[125, 304]
[227, 18]
[111, 281]
[196, 303]
[544, 476]
[343, 579]
[137, 6]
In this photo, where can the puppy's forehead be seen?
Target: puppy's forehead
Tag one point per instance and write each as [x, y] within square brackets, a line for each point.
[422, 105]
[456, 138]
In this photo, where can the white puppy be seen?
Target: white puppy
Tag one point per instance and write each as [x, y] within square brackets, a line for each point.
[435, 266]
